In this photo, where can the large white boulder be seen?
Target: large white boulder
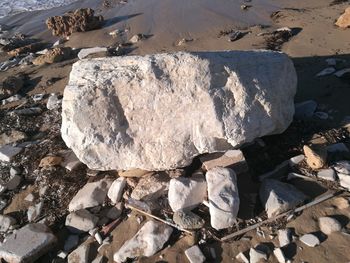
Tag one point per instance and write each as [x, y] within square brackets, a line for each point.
[157, 112]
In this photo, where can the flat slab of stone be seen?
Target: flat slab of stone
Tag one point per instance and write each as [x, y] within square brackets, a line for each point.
[147, 241]
[223, 197]
[128, 112]
[7, 152]
[81, 221]
[27, 244]
[233, 159]
[327, 174]
[310, 240]
[278, 197]
[194, 255]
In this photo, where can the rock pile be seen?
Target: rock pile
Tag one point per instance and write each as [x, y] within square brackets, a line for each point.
[80, 20]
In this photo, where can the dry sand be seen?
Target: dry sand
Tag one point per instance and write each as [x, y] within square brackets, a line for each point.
[168, 21]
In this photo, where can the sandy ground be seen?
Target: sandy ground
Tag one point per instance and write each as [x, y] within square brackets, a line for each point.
[169, 21]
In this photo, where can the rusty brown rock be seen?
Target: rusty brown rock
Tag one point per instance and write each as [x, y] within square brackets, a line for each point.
[54, 55]
[31, 48]
[344, 20]
[80, 20]
[50, 161]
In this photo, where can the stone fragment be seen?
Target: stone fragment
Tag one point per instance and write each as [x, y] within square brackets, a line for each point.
[233, 159]
[316, 157]
[344, 20]
[344, 180]
[188, 220]
[310, 240]
[28, 111]
[342, 167]
[223, 197]
[341, 203]
[50, 161]
[31, 48]
[327, 174]
[27, 244]
[115, 192]
[242, 258]
[136, 38]
[53, 102]
[6, 223]
[343, 73]
[278, 197]
[34, 211]
[151, 187]
[13, 181]
[98, 259]
[284, 236]
[8, 152]
[70, 160]
[296, 160]
[279, 255]
[257, 256]
[325, 72]
[147, 241]
[194, 255]
[134, 173]
[121, 131]
[80, 254]
[81, 221]
[328, 225]
[187, 192]
[83, 53]
[115, 211]
[71, 242]
[10, 86]
[80, 20]
[92, 194]
[305, 109]
[54, 55]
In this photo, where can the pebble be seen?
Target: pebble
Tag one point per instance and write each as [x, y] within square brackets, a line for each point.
[13, 181]
[341, 203]
[327, 174]
[223, 197]
[187, 192]
[50, 161]
[280, 255]
[136, 38]
[151, 187]
[257, 256]
[342, 72]
[342, 167]
[316, 157]
[242, 258]
[194, 255]
[53, 102]
[310, 240]
[70, 160]
[27, 244]
[329, 225]
[81, 221]
[37, 97]
[71, 242]
[115, 192]
[325, 72]
[156, 234]
[188, 220]
[34, 211]
[284, 236]
[6, 223]
[305, 109]
[92, 194]
[8, 152]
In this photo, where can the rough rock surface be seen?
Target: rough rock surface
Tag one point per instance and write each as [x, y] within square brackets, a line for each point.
[187, 192]
[151, 187]
[278, 197]
[27, 244]
[223, 197]
[10, 86]
[147, 241]
[54, 55]
[329, 225]
[188, 220]
[80, 20]
[157, 112]
[344, 20]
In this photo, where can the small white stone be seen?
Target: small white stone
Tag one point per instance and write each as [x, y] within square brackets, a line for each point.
[194, 254]
[115, 192]
[242, 258]
[34, 211]
[8, 152]
[62, 254]
[296, 159]
[37, 97]
[6, 222]
[344, 180]
[186, 192]
[53, 102]
[223, 197]
[327, 174]
[88, 51]
[284, 237]
[342, 167]
[310, 240]
[279, 255]
[256, 255]
[329, 225]
[29, 198]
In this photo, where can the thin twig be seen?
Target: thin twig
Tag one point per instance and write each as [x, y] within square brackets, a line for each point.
[301, 208]
[159, 219]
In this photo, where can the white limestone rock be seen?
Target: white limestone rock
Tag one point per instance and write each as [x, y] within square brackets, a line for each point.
[81, 221]
[310, 240]
[8, 152]
[194, 255]
[92, 194]
[257, 256]
[88, 51]
[327, 174]
[284, 236]
[115, 192]
[187, 192]
[147, 241]
[279, 255]
[328, 225]
[157, 112]
[6, 222]
[80, 254]
[278, 197]
[27, 244]
[223, 197]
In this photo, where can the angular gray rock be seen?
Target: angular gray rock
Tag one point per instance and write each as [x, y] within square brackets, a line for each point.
[115, 192]
[92, 194]
[80, 254]
[81, 221]
[187, 192]
[6, 222]
[27, 244]
[147, 241]
[8, 152]
[157, 112]
[223, 197]
[278, 197]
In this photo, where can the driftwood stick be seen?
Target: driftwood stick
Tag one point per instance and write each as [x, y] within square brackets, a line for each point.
[301, 208]
[157, 218]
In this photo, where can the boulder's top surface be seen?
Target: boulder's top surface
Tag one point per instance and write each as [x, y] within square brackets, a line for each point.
[157, 112]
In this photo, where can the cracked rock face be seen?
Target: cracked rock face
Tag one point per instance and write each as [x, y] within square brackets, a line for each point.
[158, 112]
